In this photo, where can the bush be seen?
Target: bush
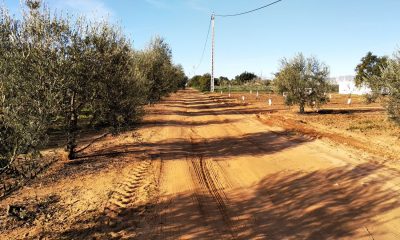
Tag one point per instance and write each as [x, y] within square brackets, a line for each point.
[304, 80]
[202, 83]
[371, 97]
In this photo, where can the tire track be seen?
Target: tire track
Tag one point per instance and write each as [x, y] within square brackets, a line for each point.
[209, 182]
[132, 201]
[209, 189]
[125, 193]
[370, 173]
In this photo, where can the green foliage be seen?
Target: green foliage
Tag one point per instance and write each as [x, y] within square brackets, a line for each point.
[244, 78]
[369, 73]
[56, 70]
[108, 62]
[180, 77]
[333, 88]
[31, 55]
[202, 83]
[391, 76]
[304, 80]
[160, 76]
[244, 88]
[222, 81]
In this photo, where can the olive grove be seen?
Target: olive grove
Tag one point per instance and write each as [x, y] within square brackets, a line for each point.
[70, 74]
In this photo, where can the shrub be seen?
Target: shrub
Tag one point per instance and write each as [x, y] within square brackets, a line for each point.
[202, 83]
[304, 80]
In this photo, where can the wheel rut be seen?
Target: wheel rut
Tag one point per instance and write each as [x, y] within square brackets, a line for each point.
[209, 190]
[133, 200]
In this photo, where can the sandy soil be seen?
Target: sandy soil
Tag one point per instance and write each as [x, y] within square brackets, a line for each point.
[207, 167]
[360, 125]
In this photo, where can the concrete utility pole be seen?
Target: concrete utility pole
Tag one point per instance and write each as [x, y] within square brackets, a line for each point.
[212, 53]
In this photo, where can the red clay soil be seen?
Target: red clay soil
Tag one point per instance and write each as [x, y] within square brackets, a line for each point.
[207, 168]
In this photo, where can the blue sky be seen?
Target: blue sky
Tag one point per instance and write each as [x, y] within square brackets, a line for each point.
[338, 32]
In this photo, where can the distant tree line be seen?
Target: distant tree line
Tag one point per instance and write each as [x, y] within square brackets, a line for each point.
[202, 82]
[70, 74]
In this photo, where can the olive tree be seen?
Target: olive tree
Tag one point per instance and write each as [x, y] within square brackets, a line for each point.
[304, 80]
[179, 77]
[100, 83]
[201, 82]
[391, 76]
[156, 69]
[120, 96]
[369, 73]
[31, 53]
[56, 72]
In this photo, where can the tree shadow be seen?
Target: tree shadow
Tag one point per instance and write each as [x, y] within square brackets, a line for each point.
[219, 111]
[345, 111]
[252, 144]
[326, 204]
[209, 106]
[176, 123]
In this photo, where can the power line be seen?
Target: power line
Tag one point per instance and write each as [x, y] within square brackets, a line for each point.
[208, 34]
[250, 11]
[204, 48]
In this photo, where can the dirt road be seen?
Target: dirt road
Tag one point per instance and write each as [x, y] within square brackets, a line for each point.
[211, 169]
[225, 175]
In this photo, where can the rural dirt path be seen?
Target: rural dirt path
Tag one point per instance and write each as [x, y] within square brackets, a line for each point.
[207, 167]
[225, 175]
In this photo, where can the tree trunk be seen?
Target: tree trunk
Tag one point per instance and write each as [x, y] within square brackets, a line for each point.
[72, 128]
[302, 105]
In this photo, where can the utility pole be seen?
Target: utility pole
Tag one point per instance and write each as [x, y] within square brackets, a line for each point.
[212, 53]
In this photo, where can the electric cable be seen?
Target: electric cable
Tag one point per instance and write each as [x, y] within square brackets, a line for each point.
[246, 12]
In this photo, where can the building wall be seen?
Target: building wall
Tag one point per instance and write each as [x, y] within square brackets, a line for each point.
[348, 86]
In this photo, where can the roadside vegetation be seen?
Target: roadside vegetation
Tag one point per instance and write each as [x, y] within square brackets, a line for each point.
[201, 82]
[369, 74]
[246, 81]
[71, 74]
[391, 78]
[303, 81]
[382, 76]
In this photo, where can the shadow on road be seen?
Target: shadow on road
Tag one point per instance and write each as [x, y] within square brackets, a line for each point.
[334, 203]
[254, 144]
[325, 204]
[177, 123]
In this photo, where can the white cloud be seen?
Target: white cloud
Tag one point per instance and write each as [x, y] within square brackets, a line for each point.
[92, 9]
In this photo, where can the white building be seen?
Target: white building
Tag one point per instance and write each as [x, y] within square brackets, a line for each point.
[348, 86]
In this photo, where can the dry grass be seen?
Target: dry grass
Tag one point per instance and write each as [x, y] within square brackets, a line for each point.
[364, 126]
